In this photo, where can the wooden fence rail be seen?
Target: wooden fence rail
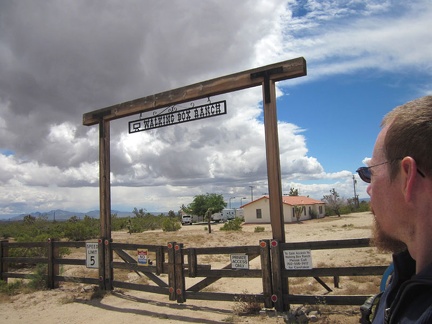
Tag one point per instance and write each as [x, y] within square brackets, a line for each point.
[177, 264]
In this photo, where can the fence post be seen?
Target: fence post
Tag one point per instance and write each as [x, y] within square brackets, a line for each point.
[336, 281]
[276, 266]
[192, 262]
[180, 284]
[109, 273]
[171, 271]
[160, 259]
[4, 266]
[53, 266]
[266, 272]
[101, 266]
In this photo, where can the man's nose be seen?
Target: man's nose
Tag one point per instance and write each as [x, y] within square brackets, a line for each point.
[369, 190]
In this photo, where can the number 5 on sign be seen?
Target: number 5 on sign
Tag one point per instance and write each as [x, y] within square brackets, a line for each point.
[92, 255]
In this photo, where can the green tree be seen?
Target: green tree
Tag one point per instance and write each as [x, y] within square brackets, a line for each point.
[333, 201]
[206, 205]
[298, 210]
[29, 220]
[139, 213]
[293, 192]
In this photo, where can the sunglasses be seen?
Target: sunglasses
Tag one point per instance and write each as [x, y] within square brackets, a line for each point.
[365, 173]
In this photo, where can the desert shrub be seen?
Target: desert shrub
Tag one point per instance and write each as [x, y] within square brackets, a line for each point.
[170, 224]
[80, 231]
[259, 229]
[246, 305]
[12, 288]
[232, 225]
[38, 279]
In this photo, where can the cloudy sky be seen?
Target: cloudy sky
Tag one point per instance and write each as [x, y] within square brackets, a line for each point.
[61, 59]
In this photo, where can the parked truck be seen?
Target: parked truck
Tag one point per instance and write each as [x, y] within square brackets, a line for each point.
[218, 217]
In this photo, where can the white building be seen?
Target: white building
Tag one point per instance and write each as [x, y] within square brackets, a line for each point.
[258, 211]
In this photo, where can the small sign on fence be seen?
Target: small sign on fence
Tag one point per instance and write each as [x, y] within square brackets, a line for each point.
[143, 257]
[298, 259]
[239, 261]
[92, 255]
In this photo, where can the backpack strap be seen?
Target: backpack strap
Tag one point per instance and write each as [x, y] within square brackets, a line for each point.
[385, 277]
[368, 309]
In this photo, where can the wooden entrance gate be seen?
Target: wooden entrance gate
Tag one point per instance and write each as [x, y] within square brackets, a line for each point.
[177, 271]
[265, 76]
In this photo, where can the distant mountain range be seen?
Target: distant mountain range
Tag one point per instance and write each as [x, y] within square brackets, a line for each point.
[62, 215]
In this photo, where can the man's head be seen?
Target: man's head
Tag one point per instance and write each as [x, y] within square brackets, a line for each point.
[401, 158]
[409, 134]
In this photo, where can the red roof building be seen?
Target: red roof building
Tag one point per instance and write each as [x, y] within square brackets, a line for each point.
[295, 208]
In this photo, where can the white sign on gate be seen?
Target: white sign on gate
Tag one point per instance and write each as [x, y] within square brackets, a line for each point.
[239, 261]
[297, 259]
[92, 255]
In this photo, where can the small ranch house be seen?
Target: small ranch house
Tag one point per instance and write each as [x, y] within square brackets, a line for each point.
[258, 211]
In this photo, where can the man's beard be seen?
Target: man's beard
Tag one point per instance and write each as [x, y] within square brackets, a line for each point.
[384, 242]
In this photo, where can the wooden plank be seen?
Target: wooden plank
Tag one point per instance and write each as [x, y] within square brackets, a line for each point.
[4, 252]
[141, 287]
[276, 265]
[192, 263]
[171, 271]
[160, 259]
[13, 245]
[290, 69]
[330, 244]
[179, 273]
[273, 165]
[71, 261]
[75, 244]
[248, 249]
[229, 273]
[135, 246]
[340, 271]
[53, 268]
[29, 260]
[7, 275]
[92, 281]
[266, 272]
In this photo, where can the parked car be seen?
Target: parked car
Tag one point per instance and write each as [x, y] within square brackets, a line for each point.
[186, 220]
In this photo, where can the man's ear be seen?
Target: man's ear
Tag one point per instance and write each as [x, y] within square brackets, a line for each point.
[408, 173]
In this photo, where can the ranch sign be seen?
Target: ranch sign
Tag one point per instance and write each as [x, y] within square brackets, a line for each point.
[173, 116]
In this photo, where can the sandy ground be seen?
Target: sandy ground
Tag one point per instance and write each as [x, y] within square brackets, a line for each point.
[76, 303]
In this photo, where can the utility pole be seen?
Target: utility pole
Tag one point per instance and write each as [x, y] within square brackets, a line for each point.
[356, 202]
[251, 188]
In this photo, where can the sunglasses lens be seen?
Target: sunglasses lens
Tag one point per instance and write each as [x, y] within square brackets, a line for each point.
[364, 174]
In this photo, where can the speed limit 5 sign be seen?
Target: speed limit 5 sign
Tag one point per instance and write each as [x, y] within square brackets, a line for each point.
[92, 255]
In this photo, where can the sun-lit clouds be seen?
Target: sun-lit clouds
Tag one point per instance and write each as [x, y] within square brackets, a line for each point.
[344, 37]
[60, 60]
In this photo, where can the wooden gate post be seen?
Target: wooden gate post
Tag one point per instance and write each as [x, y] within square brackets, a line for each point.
[277, 282]
[171, 271]
[160, 259]
[266, 272]
[4, 252]
[109, 273]
[105, 255]
[53, 266]
[180, 284]
[101, 265]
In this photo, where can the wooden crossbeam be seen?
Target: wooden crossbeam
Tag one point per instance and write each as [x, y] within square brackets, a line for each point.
[288, 69]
